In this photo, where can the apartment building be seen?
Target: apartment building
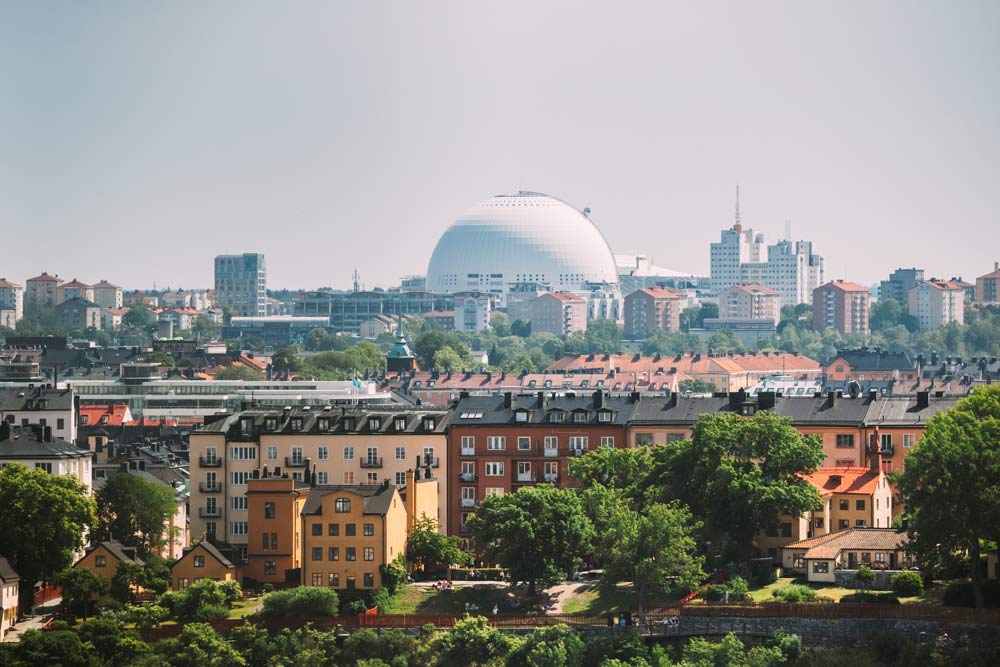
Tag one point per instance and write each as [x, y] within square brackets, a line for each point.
[559, 313]
[39, 407]
[843, 306]
[750, 302]
[79, 313]
[42, 292]
[350, 446]
[794, 270]
[37, 449]
[473, 311]
[936, 303]
[11, 303]
[9, 588]
[870, 364]
[498, 444]
[652, 309]
[899, 284]
[74, 289]
[241, 284]
[988, 287]
[107, 295]
[103, 558]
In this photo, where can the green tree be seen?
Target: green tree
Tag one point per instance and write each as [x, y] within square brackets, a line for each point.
[392, 647]
[696, 386]
[426, 546]
[864, 577]
[520, 328]
[239, 372]
[286, 360]
[738, 475]
[124, 582]
[134, 511]
[161, 358]
[603, 336]
[60, 648]
[951, 483]
[79, 588]
[428, 344]
[304, 601]
[613, 468]
[447, 359]
[553, 646]
[472, 643]
[537, 532]
[205, 329]
[138, 317]
[500, 324]
[42, 525]
[203, 601]
[654, 548]
[199, 646]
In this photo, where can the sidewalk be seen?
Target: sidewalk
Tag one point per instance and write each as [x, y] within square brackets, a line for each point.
[45, 612]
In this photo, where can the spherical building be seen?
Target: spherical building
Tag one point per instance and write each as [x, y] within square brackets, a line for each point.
[524, 238]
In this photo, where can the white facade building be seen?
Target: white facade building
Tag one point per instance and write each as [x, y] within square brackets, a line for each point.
[472, 312]
[935, 303]
[35, 406]
[794, 271]
[11, 303]
[34, 450]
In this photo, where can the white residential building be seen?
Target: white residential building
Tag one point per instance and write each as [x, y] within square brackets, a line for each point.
[107, 295]
[34, 450]
[11, 303]
[937, 302]
[35, 406]
[472, 312]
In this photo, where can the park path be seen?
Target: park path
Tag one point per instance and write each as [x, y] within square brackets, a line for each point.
[45, 613]
[560, 593]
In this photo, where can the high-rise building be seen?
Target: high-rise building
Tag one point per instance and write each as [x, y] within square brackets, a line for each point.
[899, 284]
[559, 313]
[937, 302]
[794, 271]
[988, 287]
[651, 310]
[841, 305]
[11, 303]
[737, 246]
[107, 295]
[42, 292]
[750, 302]
[241, 284]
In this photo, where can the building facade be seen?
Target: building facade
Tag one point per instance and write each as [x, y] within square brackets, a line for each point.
[472, 312]
[559, 313]
[11, 303]
[935, 303]
[652, 309]
[74, 289]
[750, 302]
[42, 292]
[843, 306]
[988, 287]
[241, 284]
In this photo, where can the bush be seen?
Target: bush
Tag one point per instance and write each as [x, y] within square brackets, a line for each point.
[907, 583]
[959, 594]
[794, 593]
[871, 598]
[393, 575]
[302, 601]
[381, 599]
[204, 600]
[736, 588]
[864, 577]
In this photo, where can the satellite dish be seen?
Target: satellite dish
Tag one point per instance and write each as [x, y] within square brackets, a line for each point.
[586, 212]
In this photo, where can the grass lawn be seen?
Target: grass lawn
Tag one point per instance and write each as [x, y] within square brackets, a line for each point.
[414, 599]
[592, 600]
[931, 595]
[244, 608]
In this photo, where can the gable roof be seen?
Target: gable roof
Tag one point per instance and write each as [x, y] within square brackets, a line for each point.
[116, 549]
[212, 551]
[376, 497]
[8, 284]
[830, 545]
[875, 360]
[45, 278]
[7, 573]
[845, 286]
[862, 481]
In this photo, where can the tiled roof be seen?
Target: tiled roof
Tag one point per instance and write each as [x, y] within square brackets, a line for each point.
[7, 573]
[564, 296]
[875, 360]
[830, 545]
[26, 444]
[845, 480]
[45, 278]
[490, 410]
[845, 285]
[119, 551]
[8, 284]
[76, 283]
[943, 284]
[339, 420]
[115, 412]
[658, 293]
[104, 284]
[692, 364]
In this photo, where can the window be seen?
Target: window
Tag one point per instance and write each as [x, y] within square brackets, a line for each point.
[183, 582]
[496, 442]
[886, 440]
[374, 424]
[241, 453]
[845, 504]
[845, 441]
[369, 529]
[821, 567]
[556, 417]
[342, 505]
[372, 478]
[333, 553]
[907, 440]
[323, 423]
[843, 523]
[334, 580]
[348, 477]
[270, 567]
[322, 478]
[578, 442]
[523, 443]
[350, 553]
[860, 523]
[349, 423]
[604, 417]
[317, 529]
[350, 529]
[866, 557]
[239, 503]
[580, 417]
[317, 553]
[84, 419]
[494, 469]
[272, 453]
[819, 522]
[494, 491]
[296, 423]
[268, 510]
[369, 553]
[100, 561]
[369, 580]
[199, 561]
[400, 453]
[521, 416]
[429, 423]
[238, 527]
[468, 443]
[239, 478]
[348, 453]
[323, 453]
[333, 529]
[786, 529]
[643, 439]
[265, 542]
[859, 504]
[607, 441]
[400, 479]
[798, 561]
[297, 456]
[47, 467]
[210, 528]
[399, 423]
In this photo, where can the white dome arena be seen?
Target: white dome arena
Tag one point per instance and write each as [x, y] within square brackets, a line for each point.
[524, 238]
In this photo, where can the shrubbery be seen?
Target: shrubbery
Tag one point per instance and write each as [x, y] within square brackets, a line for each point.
[871, 598]
[736, 588]
[907, 583]
[794, 593]
[959, 594]
[205, 600]
[302, 601]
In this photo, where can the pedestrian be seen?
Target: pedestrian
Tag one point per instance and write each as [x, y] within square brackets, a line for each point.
[496, 609]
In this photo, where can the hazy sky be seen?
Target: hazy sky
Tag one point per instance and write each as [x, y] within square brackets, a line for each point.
[140, 139]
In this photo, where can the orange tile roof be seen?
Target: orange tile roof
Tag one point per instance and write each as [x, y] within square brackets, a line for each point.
[660, 292]
[845, 480]
[76, 283]
[6, 283]
[687, 363]
[945, 284]
[115, 412]
[45, 277]
[564, 296]
[868, 539]
[846, 286]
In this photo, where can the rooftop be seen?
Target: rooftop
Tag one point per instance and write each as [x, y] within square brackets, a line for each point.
[830, 545]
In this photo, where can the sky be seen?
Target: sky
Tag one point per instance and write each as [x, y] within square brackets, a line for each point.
[140, 139]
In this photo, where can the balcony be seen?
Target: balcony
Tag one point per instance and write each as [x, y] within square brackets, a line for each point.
[468, 502]
[213, 462]
[432, 461]
[371, 462]
[294, 462]
[468, 451]
[552, 477]
[468, 477]
[210, 487]
[551, 451]
[206, 513]
[525, 477]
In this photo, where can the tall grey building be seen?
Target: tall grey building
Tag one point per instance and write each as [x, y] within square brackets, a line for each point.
[899, 284]
[241, 284]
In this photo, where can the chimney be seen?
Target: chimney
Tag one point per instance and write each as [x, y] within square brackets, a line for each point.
[737, 397]
[541, 400]
[923, 399]
[47, 433]
[598, 399]
[765, 400]
[507, 399]
[634, 397]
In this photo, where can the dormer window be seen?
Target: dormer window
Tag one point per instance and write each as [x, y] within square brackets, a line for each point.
[521, 416]
[324, 423]
[580, 417]
[604, 416]
[556, 417]
[399, 423]
[348, 423]
[548, 383]
[296, 423]
[271, 423]
[104, 419]
[429, 423]
[84, 419]
[374, 424]
[246, 425]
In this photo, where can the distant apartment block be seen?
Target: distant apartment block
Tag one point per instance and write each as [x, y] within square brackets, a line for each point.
[750, 302]
[79, 313]
[560, 313]
[472, 311]
[41, 292]
[519, 299]
[241, 284]
[652, 309]
[935, 303]
[140, 298]
[107, 295]
[74, 289]
[794, 271]
[347, 310]
[899, 284]
[198, 299]
[988, 287]
[843, 306]
[11, 303]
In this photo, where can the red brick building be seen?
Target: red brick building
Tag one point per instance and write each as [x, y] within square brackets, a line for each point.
[498, 444]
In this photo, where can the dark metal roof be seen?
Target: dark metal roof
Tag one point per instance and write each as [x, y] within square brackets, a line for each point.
[342, 421]
[7, 573]
[907, 410]
[377, 497]
[876, 360]
[18, 399]
[26, 444]
[491, 410]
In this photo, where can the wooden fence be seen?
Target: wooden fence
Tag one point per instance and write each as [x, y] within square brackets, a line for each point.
[845, 610]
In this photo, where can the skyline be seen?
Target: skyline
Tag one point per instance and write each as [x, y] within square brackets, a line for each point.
[143, 143]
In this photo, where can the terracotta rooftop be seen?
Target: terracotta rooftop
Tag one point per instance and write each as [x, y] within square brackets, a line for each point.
[660, 293]
[846, 286]
[844, 480]
[830, 545]
[563, 296]
[6, 283]
[76, 283]
[45, 277]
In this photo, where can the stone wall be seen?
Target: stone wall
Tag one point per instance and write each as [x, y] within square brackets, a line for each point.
[845, 579]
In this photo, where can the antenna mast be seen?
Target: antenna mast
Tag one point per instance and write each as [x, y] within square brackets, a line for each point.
[357, 281]
[739, 225]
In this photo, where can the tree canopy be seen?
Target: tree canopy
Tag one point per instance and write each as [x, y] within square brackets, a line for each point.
[427, 546]
[134, 511]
